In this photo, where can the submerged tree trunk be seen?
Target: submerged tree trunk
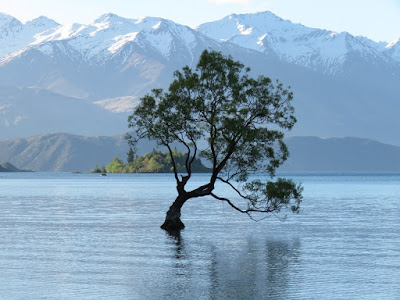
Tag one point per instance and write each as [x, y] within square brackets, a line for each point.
[173, 218]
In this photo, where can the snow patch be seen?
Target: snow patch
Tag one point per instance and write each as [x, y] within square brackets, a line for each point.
[157, 25]
[392, 44]
[261, 40]
[121, 41]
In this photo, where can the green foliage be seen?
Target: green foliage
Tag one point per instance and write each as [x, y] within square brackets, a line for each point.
[153, 162]
[241, 118]
[95, 170]
[115, 166]
[130, 155]
[273, 196]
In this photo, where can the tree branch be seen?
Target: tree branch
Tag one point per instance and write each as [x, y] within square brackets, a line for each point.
[247, 211]
[173, 164]
[234, 188]
[222, 164]
[194, 152]
[229, 202]
[187, 161]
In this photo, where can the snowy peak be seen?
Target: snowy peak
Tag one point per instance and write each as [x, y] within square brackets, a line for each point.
[269, 34]
[9, 26]
[42, 22]
[110, 33]
[8, 21]
[312, 48]
[245, 24]
[394, 44]
[15, 36]
[393, 49]
[123, 25]
[110, 18]
[106, 36]
[168, 37]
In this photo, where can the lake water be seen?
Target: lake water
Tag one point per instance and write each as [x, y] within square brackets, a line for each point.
[82, 236]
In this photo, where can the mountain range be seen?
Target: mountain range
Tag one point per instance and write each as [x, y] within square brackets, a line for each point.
[61, 152]
[56, 152]
[340, 155]
[86, 78]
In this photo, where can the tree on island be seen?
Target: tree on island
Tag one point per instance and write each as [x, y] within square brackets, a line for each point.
[130, 156]
[239, 117]
[155, 162]
[96, 169]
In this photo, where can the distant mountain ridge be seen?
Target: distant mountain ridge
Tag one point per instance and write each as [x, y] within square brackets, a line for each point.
[60, 152]
[98, 41]
[322, 50]
[108, 35]
[37, 111]
[96, 73]
[111, 49]
[312, 154]
[57, 152]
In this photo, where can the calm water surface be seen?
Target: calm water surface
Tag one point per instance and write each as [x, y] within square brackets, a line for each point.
[82, 236]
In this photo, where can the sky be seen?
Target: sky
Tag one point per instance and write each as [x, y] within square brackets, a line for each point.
[376, 19]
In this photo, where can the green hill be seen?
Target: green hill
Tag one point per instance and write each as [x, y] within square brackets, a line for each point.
[155, 162]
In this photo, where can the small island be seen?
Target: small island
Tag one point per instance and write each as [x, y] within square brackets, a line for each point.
[151, 162]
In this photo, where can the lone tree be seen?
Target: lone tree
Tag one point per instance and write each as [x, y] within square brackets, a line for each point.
[239, 117]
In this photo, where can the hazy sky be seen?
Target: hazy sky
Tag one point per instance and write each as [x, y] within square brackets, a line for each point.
[376, 19]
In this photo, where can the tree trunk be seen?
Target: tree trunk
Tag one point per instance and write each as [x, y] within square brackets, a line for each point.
[173, 218]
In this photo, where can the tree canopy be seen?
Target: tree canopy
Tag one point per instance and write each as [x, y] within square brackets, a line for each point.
[240, 118]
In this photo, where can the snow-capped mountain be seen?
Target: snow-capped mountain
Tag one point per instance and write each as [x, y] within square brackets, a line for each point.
[100, 40]
[317, 49]
[110, 57]
[15, 36]
[393, 49]
[111, 36]
[110, 50]
[343, 85]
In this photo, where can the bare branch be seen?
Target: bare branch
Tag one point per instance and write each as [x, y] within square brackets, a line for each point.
[229, 202]
[173, 164]
[247, 211]
[221, 165]
[234, 188]
[212, 141]
[194, 153]
[182, 141]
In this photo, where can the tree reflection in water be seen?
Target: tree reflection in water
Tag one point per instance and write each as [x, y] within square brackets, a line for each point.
[248, 269]
[282, 258]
